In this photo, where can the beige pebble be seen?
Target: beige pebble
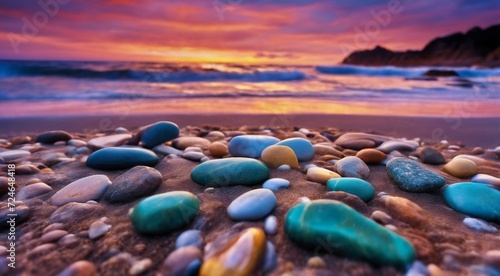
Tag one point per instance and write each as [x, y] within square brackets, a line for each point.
[218, 149]
[434, 270]
[320, 175]
[461, 168]
[275, 156]
[405, 210]
[53, 236]
[80, 268]
[140, 267]
[316, 262]
[327, 150]
[371, 156]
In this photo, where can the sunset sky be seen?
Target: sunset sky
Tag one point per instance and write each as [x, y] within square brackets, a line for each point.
[241, 31]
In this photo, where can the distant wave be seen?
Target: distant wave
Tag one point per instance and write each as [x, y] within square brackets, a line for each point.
[413, 72]
[169, 74]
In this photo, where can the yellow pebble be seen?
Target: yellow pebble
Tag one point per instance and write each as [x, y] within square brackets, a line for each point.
[461, 168]
[275, 156]
[320, 175]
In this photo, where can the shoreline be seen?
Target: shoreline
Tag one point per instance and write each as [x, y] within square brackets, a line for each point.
[475, 131]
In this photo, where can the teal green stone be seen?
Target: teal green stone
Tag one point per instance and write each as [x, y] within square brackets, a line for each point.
[352, 185]
[334, 227]
[163, 213]
[118, 158]
[474, 199]
[159, 133]
[230, 172]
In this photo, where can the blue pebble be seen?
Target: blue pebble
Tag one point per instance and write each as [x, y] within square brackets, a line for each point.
[250, 145]
[189, 238]
[275, 184]
[118, 158]
[358, 187]
[159, 133]
[252, 205]
[303, 149]
[411, 176]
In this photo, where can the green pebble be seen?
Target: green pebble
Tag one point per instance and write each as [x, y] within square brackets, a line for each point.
[352, 185]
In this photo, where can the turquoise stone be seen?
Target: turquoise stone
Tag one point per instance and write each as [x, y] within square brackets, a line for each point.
[474, 199]
[250, 145]
[334, 227]
[303, 149]
[352, 185]
[230, 172]
[165, 212]
[159, 133]
[118, 158]
[411, 176]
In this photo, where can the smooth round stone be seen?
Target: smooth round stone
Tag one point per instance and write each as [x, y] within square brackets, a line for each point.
[352, 166]
[163, 213]
[270, 261]
[230, 172]
[461, 168]
[137, 182]
[82, 190]
[118, 158]
[193, 156]
[479, 225]
[97, 229]
[271, 225]
[186, 142]
[359, 141]
[252, 205]
[487, 179]
[389, 146]
[33, 190]
[302, 148]
[327, 150]
[284, 168]
[355, 186]
[83, 150]
[410, 176]
[312, 225]
[250, 145]
[275, 156]
[405, 210]
[371, 156]
[320, 175]
[473, 199]
[218, 149]
[121, 130]
[108, 141]
[497, 151]
[492, 257]
[166, 150]
[431, 156]
[76, 211]
[52, 227]
[189, 238]
[53, 136]
[53, 236]
[215, 134]
[159, 133]
[275, 184]
[240, 256]
[184, 261]
[10, 155]
[80, 268]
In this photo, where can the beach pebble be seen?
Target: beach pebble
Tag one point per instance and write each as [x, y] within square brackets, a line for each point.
[349, 199]
[53, 236]
[33, 190]
[325, 150]
[284, 168]
[83, 150]
[42, 249]
[189, 238]
[461, 168]
[121, 130]
[52, 137]
[308, 166]
[97, 229]
[479, 225]
[184, 261]
[411, 176]
[302, 148]
[186, 142]
[80, 268]
[492, 257]
[27, 169]
[140, 267]
[275, 184]
[316, 262]
[473, 199]
[118, 158]
[252, 205]
[242, 256]
[497, 151]
[381, 217]
[79, 211]
[431, 156]
[271, 225]
[166, 150]
[159, 133]
[404, 210]
[10, 155]
[137, 182]
[270, 261]
[218, 149]
[275, 156]
[477, 150]
[371, 156]
[53, 226]
[230, 172]
[418, 268]
[359, 141]
[163, 213]
[193, 156]
[311, 225]
[352, 166]
[320, 175]
[389, 146]
[487, 179]
[355, 186]
[82, 190]
[215, 134]
[20, 140]
[108, 141]
[250, 145]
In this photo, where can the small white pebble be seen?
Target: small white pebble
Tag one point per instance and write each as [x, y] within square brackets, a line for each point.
[304, 130]
[140, 267]
[271, 225]
[284, 167]
[98, 229]
[391, 227]
[303, 199]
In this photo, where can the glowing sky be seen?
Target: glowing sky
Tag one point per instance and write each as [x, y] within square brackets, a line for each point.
[260, 31]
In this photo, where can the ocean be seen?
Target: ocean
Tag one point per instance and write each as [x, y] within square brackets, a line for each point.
[30, 88]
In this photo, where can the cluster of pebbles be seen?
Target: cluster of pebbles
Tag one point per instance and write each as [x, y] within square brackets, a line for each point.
[250, 201]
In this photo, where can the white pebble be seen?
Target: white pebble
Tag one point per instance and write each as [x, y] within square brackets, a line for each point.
[98, 229]
[479, 225]
[140, 267]
[284, 167]
[303, 199]
[271, 225]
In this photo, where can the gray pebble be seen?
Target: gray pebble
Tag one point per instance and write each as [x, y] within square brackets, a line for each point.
[271, 225]
[189, 238]
[98, 229]
[184, 261]
[270, 259]
[53, 236]
[479, 225]
[252, 205]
